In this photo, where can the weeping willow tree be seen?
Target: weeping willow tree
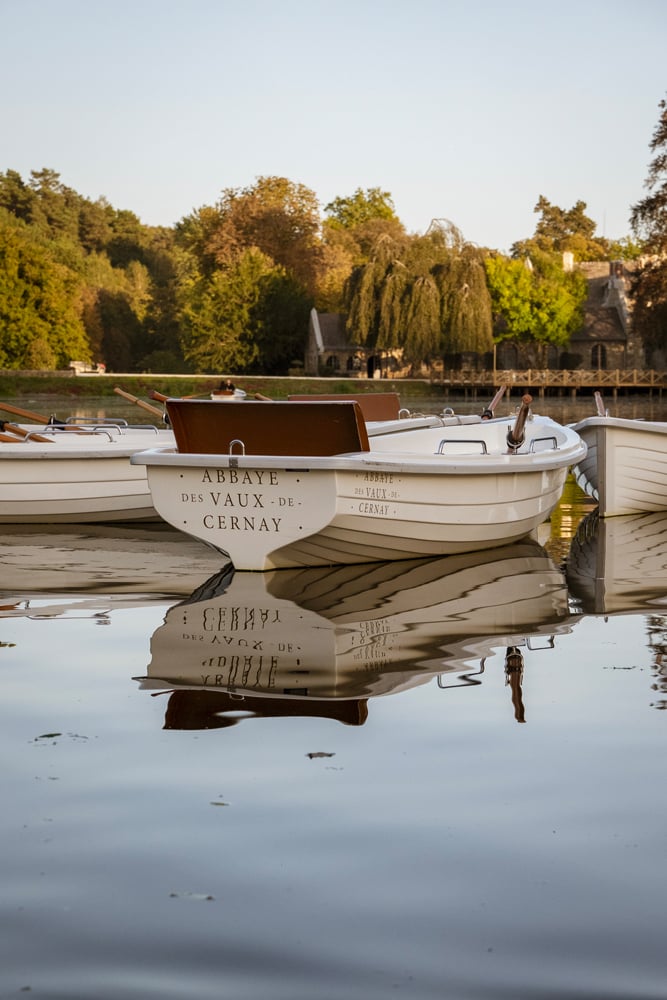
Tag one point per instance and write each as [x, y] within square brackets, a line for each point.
[370, 314]
[391, 307]
[466, 314]
[423, 330]
[424, 294]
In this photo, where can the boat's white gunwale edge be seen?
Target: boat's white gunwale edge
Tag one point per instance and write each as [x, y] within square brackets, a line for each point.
[363, 461]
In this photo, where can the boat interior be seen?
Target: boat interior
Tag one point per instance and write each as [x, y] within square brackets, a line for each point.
[268, 428]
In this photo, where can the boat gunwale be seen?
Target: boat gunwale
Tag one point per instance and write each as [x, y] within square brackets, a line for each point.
[396, 462]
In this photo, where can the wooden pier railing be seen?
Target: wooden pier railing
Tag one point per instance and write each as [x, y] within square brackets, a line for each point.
[543, 379]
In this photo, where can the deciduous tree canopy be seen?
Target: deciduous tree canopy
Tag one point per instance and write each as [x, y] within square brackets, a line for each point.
[649, 223]
[231, 285]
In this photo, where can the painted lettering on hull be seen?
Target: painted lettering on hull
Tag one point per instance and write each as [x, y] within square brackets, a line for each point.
[237, 522]
[241, 477]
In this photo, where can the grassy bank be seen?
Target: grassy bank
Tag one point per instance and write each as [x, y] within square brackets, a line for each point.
[20, 384]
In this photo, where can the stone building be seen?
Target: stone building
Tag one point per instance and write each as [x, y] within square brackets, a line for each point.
[605, 342]
[330, 352]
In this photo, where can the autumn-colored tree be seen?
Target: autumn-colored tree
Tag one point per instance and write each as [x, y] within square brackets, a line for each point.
[278, 217]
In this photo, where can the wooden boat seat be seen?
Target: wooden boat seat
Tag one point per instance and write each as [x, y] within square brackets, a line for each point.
[374, 405]
[204, 427]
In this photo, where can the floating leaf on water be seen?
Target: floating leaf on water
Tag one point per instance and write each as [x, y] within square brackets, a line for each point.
[319, 753]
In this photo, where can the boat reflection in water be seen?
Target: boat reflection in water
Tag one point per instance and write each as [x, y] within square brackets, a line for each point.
[619, 564]
[125, 562]
[322, 641]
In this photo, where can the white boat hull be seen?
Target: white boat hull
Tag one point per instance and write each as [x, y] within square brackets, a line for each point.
[625, 468]
[418, 493]
[77, 478]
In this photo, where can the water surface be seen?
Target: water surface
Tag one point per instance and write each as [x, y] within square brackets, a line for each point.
[441, 778]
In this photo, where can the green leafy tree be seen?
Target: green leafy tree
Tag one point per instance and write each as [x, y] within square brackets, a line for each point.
[39, 304]
[279, 319]
[16, 196]
[559, 230]
[535, 300]
[351, 230]
[218, 315]
[361, 207]
[649, 216]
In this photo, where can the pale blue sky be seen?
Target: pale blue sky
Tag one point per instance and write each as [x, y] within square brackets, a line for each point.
[467, 111]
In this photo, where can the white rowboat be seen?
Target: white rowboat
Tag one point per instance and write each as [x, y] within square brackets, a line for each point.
[288, 484]
[625, 468]
[59, 474]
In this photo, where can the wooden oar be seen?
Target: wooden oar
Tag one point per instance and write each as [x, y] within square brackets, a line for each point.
[489, 412]
[161, 398]
[139, 402]
[26, 414]
[516, 435]
[21, 432]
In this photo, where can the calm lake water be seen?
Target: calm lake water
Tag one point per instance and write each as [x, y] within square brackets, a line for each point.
[432, 779]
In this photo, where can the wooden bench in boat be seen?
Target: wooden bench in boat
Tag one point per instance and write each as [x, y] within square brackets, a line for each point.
[374, 405]
[203, 427]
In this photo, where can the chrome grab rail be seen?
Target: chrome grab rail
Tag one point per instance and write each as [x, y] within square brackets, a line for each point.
[550, 437]
[446, 441]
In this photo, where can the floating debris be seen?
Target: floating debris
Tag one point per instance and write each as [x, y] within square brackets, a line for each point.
[197, 897]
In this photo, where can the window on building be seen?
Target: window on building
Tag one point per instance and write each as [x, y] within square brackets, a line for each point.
[599, 356]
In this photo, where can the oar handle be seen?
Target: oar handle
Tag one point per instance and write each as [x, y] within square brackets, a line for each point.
[489, 412]
[26, 414]
[21, 432]
[139, 402]
[516, 434]
[599, 404]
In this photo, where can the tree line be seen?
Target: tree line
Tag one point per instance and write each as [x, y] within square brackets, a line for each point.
[230, 286]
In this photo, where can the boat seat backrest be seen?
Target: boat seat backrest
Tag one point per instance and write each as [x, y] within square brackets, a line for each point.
[205, 427]
[374, 405]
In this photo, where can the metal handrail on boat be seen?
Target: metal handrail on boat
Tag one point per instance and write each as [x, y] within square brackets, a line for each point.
[446, 441]
[114, 421]
[534, 441]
